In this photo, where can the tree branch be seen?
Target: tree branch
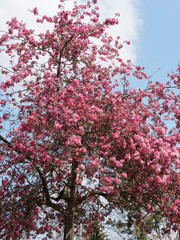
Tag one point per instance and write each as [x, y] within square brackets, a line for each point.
[61, 195]
[44, 183]
[5, 141]
[60, 56]
[93, 193]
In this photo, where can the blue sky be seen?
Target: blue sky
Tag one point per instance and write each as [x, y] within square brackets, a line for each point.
[158, 44]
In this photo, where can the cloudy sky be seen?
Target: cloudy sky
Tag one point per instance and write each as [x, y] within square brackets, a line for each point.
[128, 29]
[152, 26]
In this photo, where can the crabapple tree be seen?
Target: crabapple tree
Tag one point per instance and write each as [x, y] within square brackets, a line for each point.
[74, 144]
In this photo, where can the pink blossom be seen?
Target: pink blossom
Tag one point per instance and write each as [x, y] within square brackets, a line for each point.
[69, 159]
[82, 167]
[35, 11]
[78, 180]
[124, 175]
[119, 164]
[74, 140]
[95, 163]
[58, 125]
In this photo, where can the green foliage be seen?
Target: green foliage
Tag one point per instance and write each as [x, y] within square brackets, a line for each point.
[97, 232]
[127, 229]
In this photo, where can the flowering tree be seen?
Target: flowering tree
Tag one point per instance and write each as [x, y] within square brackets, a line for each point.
[73, 146]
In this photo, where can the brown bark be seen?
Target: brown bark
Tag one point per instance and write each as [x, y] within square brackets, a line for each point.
[69, 216]
[68, 226]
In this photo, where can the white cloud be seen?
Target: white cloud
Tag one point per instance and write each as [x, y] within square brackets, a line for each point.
[127, 29]
[129, 22]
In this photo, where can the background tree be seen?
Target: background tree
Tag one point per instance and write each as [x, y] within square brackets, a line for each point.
[126, 227]
[97, 232]
[73, 146]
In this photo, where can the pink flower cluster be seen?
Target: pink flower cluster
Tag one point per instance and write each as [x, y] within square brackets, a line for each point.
[74, 135]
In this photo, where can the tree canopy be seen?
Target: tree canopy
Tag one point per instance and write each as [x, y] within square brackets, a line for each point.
[76, 140]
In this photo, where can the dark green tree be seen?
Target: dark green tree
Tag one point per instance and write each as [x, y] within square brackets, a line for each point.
[97, 232]
[127, 228]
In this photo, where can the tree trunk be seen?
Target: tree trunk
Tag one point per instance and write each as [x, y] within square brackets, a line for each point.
[68, 226]
[69, 216]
